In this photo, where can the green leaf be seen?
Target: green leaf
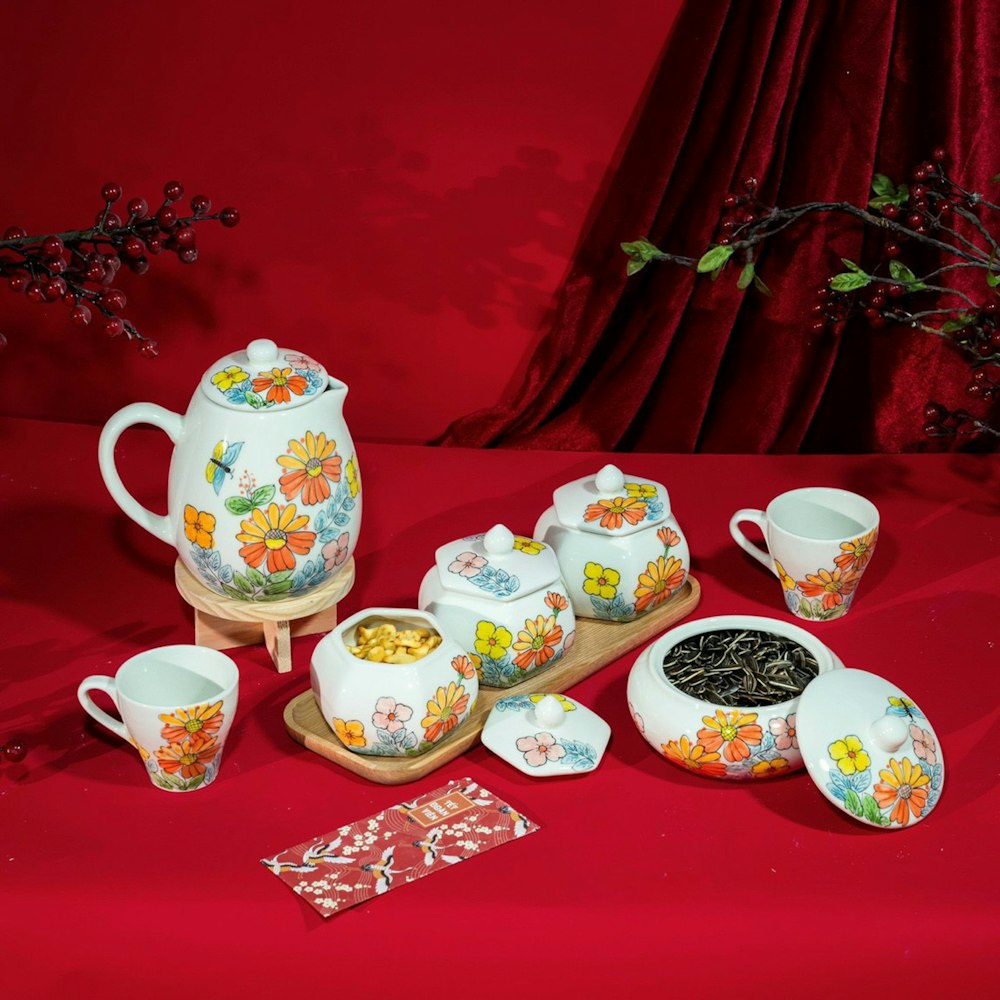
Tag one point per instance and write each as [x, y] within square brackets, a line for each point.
[282, 587]
[256, 577]
[760, 286]
[995, 179]
[901, 272]
[959, 323]
[634, 266]
[239, 505]
[883, 186]
[714, 259]
[851, 266]
[852, 802]
[262, 495]
[280, 576]
[746, 276]
[992, 279]
[848, 281]
[243, 583]
[640, 252]
[233, 592]
[870, 809]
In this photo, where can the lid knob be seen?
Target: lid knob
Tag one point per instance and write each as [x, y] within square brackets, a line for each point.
[610, 480]
[549, 712]
[499, 540]
[262, 352]
[890, 732]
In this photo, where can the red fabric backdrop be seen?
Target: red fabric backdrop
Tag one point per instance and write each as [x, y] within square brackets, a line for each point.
[812, 98]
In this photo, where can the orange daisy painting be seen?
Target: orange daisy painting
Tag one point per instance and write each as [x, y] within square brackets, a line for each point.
[276, 535]
[312, 466]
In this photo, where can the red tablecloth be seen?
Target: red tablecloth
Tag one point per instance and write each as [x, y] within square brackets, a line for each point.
[642, 876]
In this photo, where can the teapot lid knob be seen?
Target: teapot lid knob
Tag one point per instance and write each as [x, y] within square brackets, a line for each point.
[499, 540]
[890, 732]
[262, 352]
[610, 479]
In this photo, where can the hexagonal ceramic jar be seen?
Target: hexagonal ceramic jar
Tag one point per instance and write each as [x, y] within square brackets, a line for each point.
[501, 598]
[392, 709]
[719, 741]
[620, 551]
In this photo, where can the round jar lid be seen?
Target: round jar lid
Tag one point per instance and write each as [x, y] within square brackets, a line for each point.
[545, 735]
[869, 749]
[499, 565]
[263, 377]
[611, 503]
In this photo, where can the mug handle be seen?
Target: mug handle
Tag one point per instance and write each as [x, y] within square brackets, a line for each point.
[136, 413]
[101, 682]
[759, 518]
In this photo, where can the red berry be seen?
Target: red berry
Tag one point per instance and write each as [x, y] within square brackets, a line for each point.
[35, 291]
[113, 299]
[15, 233]
[166, 217]
[137, 208]
[111, 222]
[229, 217]
[933, 430]
[55, 289]
[817, 325]
[57, 265]
[200, 204]
[918, 190]
[920, 174]
[940, 154]
[154, 245]
[750, 184]
[15, 750]
[138, 265]
[188, 255]
[18, 282]
[895, 291]
[111, 192]
[52, 246]
[81, 314]
[893, 249]
[915, 220]
[114, 326]
[890, 211]
[148, 349]
[878, 300]
[184, 236]
[133, 247]
[934, 412]
[173, 190]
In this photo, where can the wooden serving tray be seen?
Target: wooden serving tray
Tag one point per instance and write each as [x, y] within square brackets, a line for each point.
[597, 644]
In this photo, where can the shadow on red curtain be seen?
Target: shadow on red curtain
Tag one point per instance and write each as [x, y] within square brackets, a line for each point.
[812, 98]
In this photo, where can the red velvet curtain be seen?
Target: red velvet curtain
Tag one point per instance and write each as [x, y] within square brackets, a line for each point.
[813, 98]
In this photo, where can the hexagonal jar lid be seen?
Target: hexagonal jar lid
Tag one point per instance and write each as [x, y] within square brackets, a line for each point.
[498, 565]
[264, 377]
[869, 748]
[611, 503]
[545, 735]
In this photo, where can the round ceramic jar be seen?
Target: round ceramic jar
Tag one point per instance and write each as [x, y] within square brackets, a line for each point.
[620, 551]
[501, 598]
[719, 741]
[391, 709]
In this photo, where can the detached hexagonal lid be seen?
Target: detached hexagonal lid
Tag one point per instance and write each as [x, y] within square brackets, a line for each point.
[546, 735]
[499, 565]
[611, 503]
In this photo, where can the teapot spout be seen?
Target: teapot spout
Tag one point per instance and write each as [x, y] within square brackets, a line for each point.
[335, 385]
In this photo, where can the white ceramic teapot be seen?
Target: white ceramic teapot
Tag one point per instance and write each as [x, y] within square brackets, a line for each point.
[264, 491]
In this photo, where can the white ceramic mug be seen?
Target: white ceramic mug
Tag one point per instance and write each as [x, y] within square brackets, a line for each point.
[177, 705]
[819, 542]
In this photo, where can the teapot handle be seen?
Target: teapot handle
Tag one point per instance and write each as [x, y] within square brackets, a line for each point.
[136, 413]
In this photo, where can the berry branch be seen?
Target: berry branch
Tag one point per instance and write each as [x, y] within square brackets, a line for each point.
[933, 217]
[78, 267]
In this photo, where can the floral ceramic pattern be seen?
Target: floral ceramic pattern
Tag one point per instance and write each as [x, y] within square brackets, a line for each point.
[191, 752]
[539, 749]
[286, 547]
[733, 744]
[275, 387]
[503, 659]
[661, 579]
[393, 731]
[908, 787]
[828, 592]
[640, 503]
[478, 571]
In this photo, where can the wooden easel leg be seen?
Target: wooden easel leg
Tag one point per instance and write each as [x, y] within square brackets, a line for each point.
[278, 639]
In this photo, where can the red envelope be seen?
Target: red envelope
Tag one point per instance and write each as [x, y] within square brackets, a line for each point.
[398, 845]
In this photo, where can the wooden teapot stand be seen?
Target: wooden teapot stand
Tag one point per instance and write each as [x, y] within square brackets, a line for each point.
[223, 622]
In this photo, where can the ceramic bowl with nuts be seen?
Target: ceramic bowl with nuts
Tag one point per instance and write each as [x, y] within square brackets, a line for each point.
[390, 683]
[501, 598]
[719, 696]
[620, 549]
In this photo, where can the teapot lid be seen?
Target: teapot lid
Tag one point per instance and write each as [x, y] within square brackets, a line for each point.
[611, 503]
[264, 376]
[498, 565]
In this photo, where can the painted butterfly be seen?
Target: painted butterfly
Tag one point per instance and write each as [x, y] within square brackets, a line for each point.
[221, 463]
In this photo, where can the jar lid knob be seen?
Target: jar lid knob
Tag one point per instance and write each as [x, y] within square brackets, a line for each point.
[549, 712]
[610, 479]
[262, 352]
[499, 540]
[890, 732]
